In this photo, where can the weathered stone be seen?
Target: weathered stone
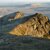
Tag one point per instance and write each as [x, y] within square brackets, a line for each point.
[19, 15]
[37, 26]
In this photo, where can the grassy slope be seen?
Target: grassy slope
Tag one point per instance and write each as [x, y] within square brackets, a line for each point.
[12, 42]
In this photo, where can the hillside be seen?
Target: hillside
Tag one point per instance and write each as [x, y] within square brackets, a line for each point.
[36, 25]
[19, 32]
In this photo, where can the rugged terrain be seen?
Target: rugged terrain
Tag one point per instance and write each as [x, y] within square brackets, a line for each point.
[37, 26]
[19, 32]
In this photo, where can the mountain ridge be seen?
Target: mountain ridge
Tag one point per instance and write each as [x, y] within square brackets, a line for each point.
[36, 25]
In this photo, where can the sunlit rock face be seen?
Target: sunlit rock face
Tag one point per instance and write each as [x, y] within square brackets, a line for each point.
[37, 26]
[17, 16]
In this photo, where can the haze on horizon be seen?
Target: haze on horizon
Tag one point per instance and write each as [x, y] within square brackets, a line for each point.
[20, 2]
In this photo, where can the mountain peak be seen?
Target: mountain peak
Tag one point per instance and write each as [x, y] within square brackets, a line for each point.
[36, 26]
[17, 16]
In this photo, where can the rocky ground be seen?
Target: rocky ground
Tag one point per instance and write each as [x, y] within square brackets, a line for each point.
[37, 26]
[24, 33]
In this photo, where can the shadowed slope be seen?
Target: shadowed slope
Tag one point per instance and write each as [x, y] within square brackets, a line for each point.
[11, 42]
[9, 25]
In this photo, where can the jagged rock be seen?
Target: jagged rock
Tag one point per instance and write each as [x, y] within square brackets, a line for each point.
[17, 16]
[37, 26]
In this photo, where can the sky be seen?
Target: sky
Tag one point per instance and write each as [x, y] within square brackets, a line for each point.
[13, 2]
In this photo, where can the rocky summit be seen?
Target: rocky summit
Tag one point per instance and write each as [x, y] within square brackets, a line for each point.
[37, 26]
[18, 32]
[17, 16]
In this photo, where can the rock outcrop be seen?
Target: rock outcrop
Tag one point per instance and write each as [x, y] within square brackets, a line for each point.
[37, 26]
[17, 16]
